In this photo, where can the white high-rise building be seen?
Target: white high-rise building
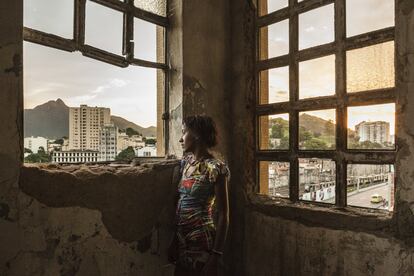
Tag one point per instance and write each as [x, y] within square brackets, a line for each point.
[85, 124]
[108, 142]
[34, 143]
[376, 132]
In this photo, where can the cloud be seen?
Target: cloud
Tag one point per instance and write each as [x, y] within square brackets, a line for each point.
[310, 29]
[118, 83]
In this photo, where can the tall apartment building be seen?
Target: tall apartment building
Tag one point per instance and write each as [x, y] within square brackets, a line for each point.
[376, 132]
[108, 142]
[84, 125]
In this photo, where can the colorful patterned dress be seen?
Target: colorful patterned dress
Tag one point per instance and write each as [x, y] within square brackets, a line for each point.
[194, 215]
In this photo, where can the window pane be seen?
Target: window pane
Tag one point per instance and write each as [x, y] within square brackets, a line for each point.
[371, 127]
[371, 67]
[368, 15]
[274, 85]
[50, 16]
[148, 41]
[317, 77]
[274, 178]
[317, 180]
[268, 6]
[56, 81]
[316, 27]
[154, 6]
[103, 28]
[274, 132]
[274, 40]
[371, 186]
[317, 130]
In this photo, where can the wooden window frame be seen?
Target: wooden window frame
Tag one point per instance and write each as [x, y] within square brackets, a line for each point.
[77, 43]
[342, 156]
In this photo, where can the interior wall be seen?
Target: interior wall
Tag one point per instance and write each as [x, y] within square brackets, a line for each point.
[292, 239]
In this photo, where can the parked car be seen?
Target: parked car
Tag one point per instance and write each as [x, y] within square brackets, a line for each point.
[376, 198]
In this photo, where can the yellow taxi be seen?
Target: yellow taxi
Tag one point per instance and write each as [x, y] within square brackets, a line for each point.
[376, 198]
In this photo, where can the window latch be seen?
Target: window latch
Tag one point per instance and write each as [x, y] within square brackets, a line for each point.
[165, 116]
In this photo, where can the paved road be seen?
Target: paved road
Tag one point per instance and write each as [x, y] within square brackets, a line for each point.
[363, 199]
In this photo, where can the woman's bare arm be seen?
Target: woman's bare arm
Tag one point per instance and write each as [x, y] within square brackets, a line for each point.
[222, 206]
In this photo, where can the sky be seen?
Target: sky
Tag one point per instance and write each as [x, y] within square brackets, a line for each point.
[51, 74]
[368, 68]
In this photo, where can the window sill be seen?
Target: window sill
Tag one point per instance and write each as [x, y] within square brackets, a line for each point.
[350, 218]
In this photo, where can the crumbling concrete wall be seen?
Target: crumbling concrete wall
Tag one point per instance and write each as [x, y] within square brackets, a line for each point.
[278, 238]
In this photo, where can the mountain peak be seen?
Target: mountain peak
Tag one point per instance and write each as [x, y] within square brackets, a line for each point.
[58, 104]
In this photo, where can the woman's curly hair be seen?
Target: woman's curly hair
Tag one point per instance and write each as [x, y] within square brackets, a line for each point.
[204, 127]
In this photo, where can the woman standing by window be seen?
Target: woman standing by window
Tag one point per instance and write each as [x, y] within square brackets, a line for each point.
[202, 214]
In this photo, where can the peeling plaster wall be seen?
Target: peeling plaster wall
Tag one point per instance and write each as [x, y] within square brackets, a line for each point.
[267, 240]
[200, 60]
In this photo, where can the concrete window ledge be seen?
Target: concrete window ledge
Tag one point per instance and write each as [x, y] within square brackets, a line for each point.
[377, 222]
[132, 199]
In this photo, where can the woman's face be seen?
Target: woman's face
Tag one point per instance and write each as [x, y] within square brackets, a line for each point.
[188, 140]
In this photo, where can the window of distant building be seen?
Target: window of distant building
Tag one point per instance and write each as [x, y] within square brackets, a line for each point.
[95, 77]
[326, 101]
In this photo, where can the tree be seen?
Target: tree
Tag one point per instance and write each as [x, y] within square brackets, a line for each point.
[150, 141]
[284, 142]
[304, 135]
[276, 131]
[41, 150]
[59, 141]
[130, 131]
[315, 143]
[126, 155]
[40, 157]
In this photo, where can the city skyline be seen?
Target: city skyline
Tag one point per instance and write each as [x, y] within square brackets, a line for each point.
[51, 73]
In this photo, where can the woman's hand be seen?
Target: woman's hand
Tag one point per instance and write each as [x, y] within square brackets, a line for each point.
[210, 268]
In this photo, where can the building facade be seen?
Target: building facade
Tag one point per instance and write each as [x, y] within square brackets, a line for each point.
[34, 143]
[124, 141]
[108, 142]
[75, 156]
[376, 132]
[85, 124]
[147, 151]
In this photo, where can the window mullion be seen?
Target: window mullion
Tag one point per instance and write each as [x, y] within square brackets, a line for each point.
[341, 110]
[293, 97]
[128, 32]
[79, 23]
